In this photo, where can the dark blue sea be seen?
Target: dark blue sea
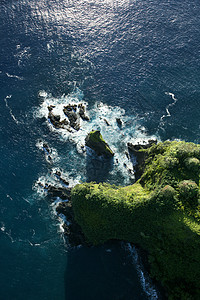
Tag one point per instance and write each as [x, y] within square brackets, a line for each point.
[131, 59]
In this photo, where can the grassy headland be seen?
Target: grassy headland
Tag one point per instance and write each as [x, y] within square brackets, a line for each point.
[160, 212]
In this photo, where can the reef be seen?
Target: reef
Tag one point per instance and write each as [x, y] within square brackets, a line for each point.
[160, 212]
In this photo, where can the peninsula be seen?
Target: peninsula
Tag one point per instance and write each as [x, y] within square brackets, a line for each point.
[160, 213]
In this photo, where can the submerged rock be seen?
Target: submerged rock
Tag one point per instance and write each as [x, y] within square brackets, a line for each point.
[95, 141]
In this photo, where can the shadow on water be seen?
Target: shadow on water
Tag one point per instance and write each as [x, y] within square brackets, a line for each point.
[103, 272]
[97, 167]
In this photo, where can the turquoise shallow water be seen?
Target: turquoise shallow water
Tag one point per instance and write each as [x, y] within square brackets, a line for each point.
[141, 56]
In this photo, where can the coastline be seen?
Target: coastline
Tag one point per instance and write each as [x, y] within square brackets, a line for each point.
[165, 195]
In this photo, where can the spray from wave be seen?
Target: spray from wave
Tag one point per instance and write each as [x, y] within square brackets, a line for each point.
[116, 128]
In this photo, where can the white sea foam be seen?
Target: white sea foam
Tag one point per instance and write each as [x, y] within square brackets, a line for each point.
[10, 110]
[14, 76]
[8, 196]
[23, 54]
[146, 283]
[102, 117]
[51, 154]
[168, 114]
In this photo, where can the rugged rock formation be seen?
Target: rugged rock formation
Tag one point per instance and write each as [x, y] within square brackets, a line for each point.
[95, 141]
[72, 230]
[73, 113]
[74, 119]
[82, 112]
[55, 119]
[119, 122]
[160, 212]
[138, 151]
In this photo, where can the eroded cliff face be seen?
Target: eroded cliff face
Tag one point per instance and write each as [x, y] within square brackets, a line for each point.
[160, 212]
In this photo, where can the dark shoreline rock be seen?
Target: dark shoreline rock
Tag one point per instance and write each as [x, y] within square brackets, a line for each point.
[140, 155]
[72, 230]
[55, 119]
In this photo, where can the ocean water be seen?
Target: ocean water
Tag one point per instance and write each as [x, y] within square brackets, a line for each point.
[137, 60]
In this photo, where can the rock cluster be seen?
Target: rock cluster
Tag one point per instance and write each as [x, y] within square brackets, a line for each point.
[73, 112]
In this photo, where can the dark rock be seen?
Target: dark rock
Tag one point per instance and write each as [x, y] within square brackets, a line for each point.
[82, 112]
[127, 155]
[51, 107]
[62, 180]
[74, 119]
[54, 119]
[63, 193]
[119, 122]
[95, 141]
[107, 123]
[46, 149]
[72, 230]
[136, 150]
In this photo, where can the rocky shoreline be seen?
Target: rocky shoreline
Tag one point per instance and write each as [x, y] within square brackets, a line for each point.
[95, 141]
[69, 119]
[160, 212]
[72, 230]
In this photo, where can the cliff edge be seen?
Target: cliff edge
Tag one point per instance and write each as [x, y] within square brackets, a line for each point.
[160, 213]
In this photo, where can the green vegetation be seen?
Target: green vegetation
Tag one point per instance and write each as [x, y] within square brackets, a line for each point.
[160, 212]
[95, 141]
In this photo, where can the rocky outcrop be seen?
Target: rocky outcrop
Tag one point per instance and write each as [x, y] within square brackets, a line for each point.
[95, 141]
[138, 151]
[119, 122]
[72, 230]
[73, 112]
[160, 213]
[74, 119]
[55, 119]
[82, 112]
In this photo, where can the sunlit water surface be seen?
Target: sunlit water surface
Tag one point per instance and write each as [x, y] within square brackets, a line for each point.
[137, 60]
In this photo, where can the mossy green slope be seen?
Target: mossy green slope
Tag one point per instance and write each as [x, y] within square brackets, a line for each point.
[160, 212]
[95, 141]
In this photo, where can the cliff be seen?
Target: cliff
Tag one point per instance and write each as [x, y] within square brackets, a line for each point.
[160, 213]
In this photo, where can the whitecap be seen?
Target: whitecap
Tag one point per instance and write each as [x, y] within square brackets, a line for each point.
[167, 108]
[104, 118]
[14, 76]
[10, 110]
